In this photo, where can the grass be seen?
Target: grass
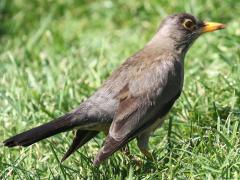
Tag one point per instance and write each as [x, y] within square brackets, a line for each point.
[55, 54]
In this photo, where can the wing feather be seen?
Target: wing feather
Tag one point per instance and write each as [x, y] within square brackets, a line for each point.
[149, 91]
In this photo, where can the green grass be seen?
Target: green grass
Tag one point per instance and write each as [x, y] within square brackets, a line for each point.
[55, 54]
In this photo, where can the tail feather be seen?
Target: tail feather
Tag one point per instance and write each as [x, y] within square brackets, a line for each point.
[36, 134]
[81, 137]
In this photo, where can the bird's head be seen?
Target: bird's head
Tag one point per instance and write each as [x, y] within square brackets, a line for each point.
[182, 29]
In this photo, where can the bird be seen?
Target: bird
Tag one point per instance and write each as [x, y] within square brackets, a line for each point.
[135, 99]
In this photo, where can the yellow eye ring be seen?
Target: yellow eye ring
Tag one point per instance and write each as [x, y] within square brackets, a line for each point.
[189, 24]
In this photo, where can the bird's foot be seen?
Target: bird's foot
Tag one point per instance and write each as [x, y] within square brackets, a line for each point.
[132, 158]
[126, 150]
[147, 154]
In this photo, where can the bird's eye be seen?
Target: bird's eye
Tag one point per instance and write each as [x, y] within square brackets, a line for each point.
[189, 24]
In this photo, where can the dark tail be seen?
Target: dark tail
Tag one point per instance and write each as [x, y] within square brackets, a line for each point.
[81, 137]
[36, 134]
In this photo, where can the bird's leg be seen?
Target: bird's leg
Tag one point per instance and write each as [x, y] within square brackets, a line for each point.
[142, 142]
[132, 158]
[147, 154]
[125, 150]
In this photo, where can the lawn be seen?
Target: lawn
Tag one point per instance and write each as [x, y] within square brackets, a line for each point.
[55, 54]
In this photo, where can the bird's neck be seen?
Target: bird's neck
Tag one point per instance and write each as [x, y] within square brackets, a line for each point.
[162, 43]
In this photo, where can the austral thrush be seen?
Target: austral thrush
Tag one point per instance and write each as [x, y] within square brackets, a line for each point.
[134, 100]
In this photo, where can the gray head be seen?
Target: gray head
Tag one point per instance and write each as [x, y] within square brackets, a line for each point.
[179, 31]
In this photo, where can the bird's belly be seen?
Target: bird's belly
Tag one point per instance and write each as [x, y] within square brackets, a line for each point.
[158, 123]
[158, 115]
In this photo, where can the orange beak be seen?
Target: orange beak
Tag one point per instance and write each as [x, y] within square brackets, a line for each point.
[212, 26]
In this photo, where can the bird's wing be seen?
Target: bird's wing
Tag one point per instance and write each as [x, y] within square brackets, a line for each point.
[137, 100]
